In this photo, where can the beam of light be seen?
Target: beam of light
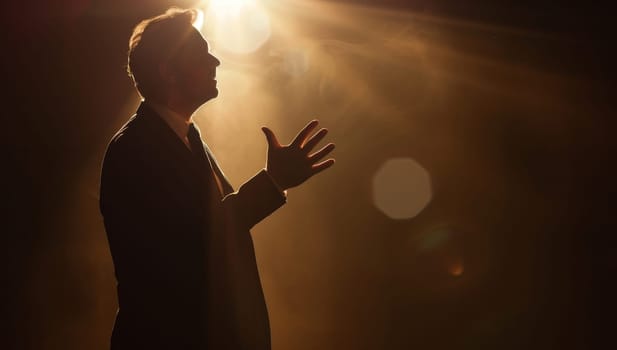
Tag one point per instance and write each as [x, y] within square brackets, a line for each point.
[227, 8]
[237, 26]
[401, 188]
[340, 61]
[295, 62]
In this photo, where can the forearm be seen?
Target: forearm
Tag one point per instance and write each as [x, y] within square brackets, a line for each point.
[255, 200]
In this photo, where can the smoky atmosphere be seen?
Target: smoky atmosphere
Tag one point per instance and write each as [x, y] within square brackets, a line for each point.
[459, 197]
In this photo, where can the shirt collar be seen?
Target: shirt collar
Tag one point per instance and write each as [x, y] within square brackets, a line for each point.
[175, 121]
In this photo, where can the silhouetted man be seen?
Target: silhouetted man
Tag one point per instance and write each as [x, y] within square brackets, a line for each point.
[178, 232]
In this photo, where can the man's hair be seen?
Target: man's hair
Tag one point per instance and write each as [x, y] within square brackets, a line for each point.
[154, 41]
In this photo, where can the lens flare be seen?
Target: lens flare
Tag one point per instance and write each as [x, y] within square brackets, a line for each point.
[401, 188]
[456, 269]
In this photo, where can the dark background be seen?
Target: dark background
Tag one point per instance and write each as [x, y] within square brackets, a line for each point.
[517, 137]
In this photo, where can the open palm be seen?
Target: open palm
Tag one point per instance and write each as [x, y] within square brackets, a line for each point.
[290, 165]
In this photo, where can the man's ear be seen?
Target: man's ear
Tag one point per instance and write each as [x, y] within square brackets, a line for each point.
[166, 73]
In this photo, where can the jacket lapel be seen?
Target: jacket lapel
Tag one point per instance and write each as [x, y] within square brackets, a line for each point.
[171, 151]
[178, 149]
[227, 187]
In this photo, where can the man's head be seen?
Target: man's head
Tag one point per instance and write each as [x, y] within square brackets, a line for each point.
[169, 59]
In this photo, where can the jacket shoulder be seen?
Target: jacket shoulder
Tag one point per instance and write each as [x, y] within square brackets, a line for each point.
[127, 151]
[131, 139]
[127, 135]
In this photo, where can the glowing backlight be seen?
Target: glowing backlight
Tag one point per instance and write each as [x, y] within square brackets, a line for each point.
[225, 8]
[199, 20]
[237, 26]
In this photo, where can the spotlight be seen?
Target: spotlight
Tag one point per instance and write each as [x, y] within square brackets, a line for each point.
[237, 26]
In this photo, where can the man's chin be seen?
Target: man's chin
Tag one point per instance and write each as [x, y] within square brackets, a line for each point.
[212, 93]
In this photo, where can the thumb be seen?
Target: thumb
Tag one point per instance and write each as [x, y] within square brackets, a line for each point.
[272, 141]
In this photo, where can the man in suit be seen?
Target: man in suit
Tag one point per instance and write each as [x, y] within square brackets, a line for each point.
[178, 232]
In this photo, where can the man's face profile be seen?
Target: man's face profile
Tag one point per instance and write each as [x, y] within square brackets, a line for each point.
[195, 69]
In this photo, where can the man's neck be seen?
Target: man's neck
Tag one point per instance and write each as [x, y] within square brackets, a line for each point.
[177, 120]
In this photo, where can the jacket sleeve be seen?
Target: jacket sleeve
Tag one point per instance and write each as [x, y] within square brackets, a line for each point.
[256, 199]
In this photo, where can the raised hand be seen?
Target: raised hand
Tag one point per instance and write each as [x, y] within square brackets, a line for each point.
[290, 165]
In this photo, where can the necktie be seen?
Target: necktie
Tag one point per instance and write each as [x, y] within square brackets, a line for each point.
[202, 159]
[196, 144]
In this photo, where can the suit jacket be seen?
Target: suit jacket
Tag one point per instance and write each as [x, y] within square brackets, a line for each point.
[183, 255]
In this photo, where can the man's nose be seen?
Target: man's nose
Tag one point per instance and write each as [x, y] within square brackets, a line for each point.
[215, 61]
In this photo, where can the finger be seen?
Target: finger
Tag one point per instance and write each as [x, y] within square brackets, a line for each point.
[313, 141]
[299, 139]
[317, 168]
[272, 141]
[322, 152]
